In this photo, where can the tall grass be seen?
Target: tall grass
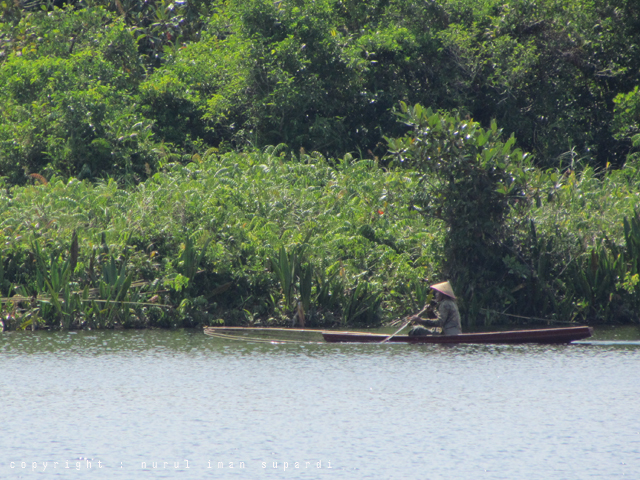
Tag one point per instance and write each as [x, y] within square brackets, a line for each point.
[581, 241]
[224, 220]
[246, 237]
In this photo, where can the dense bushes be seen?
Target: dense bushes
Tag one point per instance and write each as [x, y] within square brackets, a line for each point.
[246, 236]
[582, 246]
[204, 238]
[470, 179]
[324, 75]
[522, 241]
[125, 123]
[67, 100]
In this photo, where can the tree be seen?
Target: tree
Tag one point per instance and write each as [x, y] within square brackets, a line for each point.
[470, 178]
[627, 121]
[68, 99]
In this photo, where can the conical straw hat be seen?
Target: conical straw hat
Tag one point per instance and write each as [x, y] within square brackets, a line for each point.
[444, 287]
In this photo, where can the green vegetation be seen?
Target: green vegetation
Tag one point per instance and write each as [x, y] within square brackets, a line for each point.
[520, 239]
[223, 236]
[154, 166]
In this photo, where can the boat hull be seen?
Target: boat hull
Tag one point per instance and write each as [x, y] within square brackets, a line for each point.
[545, 335]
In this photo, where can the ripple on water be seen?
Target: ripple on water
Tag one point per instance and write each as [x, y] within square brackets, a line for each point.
[373, 411]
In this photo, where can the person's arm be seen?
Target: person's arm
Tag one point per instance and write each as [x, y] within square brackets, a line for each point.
[433, 322]
[442, 315]
[416, 319]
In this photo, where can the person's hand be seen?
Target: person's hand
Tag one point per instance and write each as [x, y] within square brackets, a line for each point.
[414, 319]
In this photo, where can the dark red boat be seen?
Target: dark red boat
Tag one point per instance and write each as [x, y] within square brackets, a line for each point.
[544, 335]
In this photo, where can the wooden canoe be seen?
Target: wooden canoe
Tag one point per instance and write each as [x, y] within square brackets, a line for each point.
[545, 335]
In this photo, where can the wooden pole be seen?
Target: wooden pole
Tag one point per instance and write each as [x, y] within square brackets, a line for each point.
[403, 326]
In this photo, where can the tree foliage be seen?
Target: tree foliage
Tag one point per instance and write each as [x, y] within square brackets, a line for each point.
[67, 99]
[204, 236]
[470, 179]
[324, 75]
[626, 124]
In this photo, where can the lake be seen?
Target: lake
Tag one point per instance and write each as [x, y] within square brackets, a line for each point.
[180, 404]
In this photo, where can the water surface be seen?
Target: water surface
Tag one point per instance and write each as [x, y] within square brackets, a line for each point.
[144, 403]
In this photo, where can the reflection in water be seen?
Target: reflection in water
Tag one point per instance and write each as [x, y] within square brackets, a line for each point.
[147, 402]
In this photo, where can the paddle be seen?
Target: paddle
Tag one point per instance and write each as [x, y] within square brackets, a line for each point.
[403, 326]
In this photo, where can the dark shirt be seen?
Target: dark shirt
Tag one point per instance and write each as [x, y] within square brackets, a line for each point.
[448, 318]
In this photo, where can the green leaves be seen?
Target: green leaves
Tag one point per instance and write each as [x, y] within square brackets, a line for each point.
[626, 122]
[212, 226]
[320, 75]
[470, 178]
[190, 259]
[74, 117]
[362, 305]
[462, 162]
[285, 265]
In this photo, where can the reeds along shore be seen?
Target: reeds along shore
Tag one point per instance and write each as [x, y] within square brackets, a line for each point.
[246, 237]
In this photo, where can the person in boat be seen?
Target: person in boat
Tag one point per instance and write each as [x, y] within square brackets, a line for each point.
[448, 316]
